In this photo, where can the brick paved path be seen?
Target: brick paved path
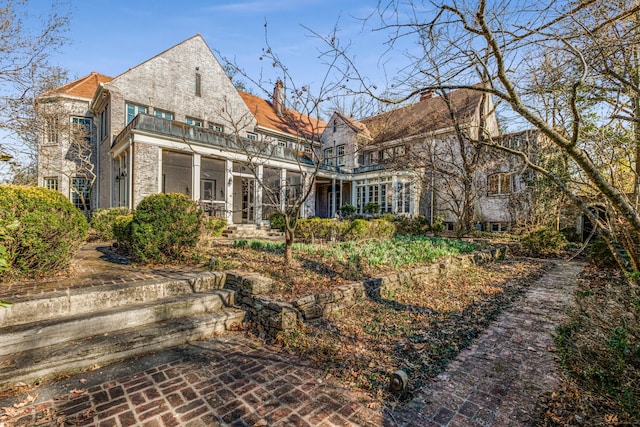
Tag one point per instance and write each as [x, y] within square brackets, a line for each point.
[496, 381]
[232, 380]
[225, 381]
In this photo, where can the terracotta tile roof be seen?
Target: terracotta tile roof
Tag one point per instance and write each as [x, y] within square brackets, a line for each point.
[292, 123]
[83, 87]
[425, 116]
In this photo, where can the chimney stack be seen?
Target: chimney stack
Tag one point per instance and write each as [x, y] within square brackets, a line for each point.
[278, 98]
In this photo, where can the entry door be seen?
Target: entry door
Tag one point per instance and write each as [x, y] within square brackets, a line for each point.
[248, 200]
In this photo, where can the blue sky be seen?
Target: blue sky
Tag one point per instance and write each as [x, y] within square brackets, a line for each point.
[111, 36]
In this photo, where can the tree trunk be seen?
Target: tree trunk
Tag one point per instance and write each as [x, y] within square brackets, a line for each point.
[288, 243]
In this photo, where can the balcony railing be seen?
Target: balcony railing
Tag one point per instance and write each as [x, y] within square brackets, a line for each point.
[200, 135]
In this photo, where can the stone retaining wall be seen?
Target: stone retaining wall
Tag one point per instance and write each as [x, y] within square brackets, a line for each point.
[274, 316]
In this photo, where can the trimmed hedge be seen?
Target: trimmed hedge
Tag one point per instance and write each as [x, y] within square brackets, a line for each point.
[49, 231]
[165, 228]
[312, 229]
[102, 221]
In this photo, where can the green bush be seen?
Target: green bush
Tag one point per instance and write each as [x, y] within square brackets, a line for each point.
[102, 222]
[122, 230]
[214, 226]
[277, 221]
[381, 229]
[48, 231]
[438, 224]
[371, 208]
[347, 211]
[543, 242]
[165, 228]
[358, 230]
[311, 229]
[600, 254]
[411, 226]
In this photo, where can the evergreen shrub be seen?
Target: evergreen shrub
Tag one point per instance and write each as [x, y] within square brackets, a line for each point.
[102, 221]
[165, 228]
[215, 226]
[48, 231]
[543, 242]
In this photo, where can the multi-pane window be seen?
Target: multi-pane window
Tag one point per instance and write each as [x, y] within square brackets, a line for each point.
[51, 183]
[81, 127]
[81, 193]
[216, 127]
[403, 197]
[51, 130]
[340, 159]
[373, 157]
[500, 183]
[133, 110]
[328, 156]
[252, 136]
[163, 114]
[194, 122]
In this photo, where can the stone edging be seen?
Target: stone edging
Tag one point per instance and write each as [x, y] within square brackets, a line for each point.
[274, 316]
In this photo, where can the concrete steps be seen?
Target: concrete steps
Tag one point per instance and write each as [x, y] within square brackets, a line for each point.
[64, 332]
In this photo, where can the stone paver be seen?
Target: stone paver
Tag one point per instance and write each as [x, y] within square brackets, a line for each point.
[496, 381]
[233, 380]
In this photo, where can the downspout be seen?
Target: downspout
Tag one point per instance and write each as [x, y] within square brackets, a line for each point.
[131, 175]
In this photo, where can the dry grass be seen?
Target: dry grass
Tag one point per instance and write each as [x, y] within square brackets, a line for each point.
[599, 346]
[418, 329]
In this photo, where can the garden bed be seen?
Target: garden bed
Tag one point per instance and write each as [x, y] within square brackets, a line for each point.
[418, 327]
[325, 266]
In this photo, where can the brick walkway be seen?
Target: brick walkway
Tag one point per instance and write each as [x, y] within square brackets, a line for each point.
[232, 380]
[496, 381]
[226, 381]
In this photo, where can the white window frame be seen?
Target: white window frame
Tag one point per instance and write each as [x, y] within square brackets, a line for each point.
[132, 110]
[50, 183]
[192, 121]
[340, 156]
[168, 115]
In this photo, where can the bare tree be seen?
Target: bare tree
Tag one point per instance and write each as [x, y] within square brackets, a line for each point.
[26, 42]
[593, 48]
[299, 108]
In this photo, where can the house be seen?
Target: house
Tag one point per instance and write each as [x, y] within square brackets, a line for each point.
[176, 123]
[67, 152]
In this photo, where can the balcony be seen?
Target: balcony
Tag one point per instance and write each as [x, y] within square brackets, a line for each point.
[202, 136]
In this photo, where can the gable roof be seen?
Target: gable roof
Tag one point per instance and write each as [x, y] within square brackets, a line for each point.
[83, 87]
[197, 37]
[357, 126]
[292, 122]
[427, 115]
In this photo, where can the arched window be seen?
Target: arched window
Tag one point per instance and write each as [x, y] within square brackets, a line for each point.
[500, 183]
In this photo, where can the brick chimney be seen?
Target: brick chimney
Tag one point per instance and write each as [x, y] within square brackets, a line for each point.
[427, 94]
[278, 98]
